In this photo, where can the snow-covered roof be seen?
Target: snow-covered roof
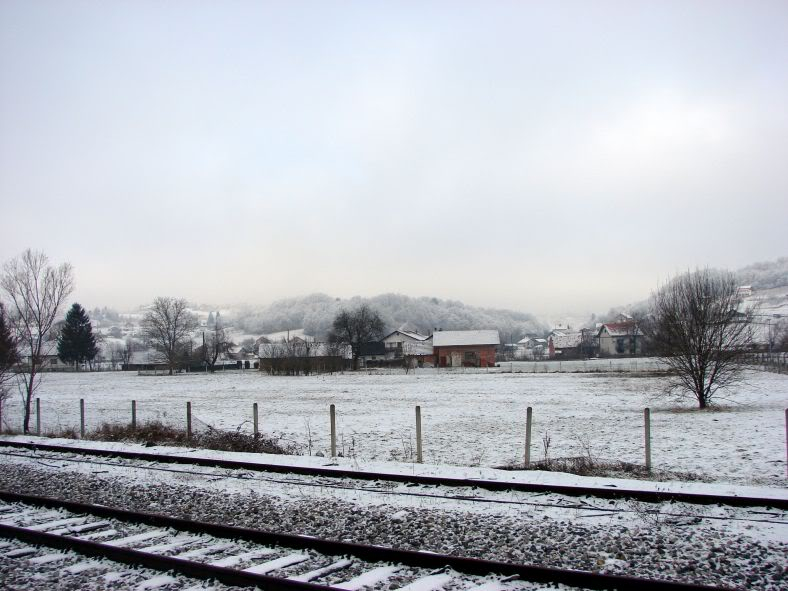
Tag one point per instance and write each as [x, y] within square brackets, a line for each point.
[449, 338]
[620, 329]
[532, 341]
[284, 335]
[567, 341]
[408, 333]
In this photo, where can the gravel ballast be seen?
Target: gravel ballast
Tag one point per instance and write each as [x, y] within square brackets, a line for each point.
[689, 553]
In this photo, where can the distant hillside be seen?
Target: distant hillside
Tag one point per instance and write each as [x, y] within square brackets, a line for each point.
[761, 276]
[766, 275]
[316, 312]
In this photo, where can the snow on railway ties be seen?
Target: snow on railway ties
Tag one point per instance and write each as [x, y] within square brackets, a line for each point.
[245, 557]
[155, 461]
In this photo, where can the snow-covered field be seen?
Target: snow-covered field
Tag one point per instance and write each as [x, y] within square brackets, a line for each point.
[469, 418]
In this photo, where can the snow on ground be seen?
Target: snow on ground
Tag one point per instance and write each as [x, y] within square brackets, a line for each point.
[407, 496]
[710, 545]
[469, 418]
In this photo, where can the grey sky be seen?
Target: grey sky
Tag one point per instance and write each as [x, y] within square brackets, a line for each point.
[538, 156]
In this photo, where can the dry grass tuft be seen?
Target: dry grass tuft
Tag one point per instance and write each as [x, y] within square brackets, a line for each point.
[587, 466]
[157, 433]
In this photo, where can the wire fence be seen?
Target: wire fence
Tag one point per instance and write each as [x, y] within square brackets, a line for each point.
[775, 362]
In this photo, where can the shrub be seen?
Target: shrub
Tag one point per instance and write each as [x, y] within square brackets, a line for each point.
[157, 433]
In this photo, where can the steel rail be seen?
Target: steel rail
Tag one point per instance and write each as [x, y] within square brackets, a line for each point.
[494, 485]
[189, 568]
[581, 506]
[472, 566]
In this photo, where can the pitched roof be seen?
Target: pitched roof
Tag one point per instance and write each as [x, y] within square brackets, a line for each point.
[567, 341]
[532, 340]
[620, 329]
[449, 338]
[408, 333]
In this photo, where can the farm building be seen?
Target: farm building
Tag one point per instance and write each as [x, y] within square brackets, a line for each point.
[565, 345]
[465, 348]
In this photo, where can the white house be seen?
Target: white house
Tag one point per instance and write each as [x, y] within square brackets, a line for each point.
[620, 338]
[406, 342]
[532, 347]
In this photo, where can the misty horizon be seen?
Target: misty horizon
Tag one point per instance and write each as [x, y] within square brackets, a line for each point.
[543, 158]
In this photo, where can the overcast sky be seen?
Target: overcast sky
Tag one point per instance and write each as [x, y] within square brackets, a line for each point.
[531, 155]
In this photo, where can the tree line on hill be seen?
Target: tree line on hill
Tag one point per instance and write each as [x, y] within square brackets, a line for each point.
[316, 313]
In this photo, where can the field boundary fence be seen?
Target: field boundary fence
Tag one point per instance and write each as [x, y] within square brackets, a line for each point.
[188, 422]
[773, 362]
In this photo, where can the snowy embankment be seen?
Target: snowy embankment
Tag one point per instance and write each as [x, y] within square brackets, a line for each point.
[716, 545]
[469, 419]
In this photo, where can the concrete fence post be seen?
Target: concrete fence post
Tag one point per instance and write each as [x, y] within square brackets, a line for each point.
[529, 413]
[82, 418]
[134, 415]
[786, 441]
[189, 420]
[647, 429]
[38, 417]
[333, 412]
[254, 421]
[419, 457]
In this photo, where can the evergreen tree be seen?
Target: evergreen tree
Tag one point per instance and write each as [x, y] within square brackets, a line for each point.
[9, 355]
[77, 343]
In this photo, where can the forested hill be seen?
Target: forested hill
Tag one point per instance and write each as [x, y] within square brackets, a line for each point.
[315, 313]
[765, 275]
[761, 276]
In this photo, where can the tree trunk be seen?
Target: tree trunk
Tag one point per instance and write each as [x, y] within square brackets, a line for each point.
[29, 398]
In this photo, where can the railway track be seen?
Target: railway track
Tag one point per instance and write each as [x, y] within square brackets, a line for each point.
[577, 506]
[255, 558]
[492, 485]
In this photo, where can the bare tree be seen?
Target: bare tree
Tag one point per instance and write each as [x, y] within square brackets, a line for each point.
[215, 343]
[125, 355]
[167, 326]
[36, 291]
[696, 328]
[116, 354]
[357, 327]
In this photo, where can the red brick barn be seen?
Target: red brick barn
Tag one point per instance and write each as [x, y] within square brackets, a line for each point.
[465, 348]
